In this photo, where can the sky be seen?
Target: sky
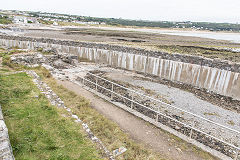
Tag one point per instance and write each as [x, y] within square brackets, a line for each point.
[157, 10]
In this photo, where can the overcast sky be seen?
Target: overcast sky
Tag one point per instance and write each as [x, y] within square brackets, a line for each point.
[171, 10]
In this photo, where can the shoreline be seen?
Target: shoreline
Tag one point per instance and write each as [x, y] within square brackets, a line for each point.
[216, 35]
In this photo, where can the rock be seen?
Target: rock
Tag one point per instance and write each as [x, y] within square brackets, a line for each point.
[94, 138]
[78, 121]
[39, 56]
[85, 126]
[119, 151]
[75, 116]
[68, 58]
[35, 65]
[179, 150]
[68, 109]
[59, 64]
[49, 50]
[177, 127]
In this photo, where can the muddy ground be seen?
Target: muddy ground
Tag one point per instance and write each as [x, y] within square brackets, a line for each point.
[152, 41]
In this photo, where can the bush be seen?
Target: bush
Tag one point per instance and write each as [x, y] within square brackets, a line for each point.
[5, 20]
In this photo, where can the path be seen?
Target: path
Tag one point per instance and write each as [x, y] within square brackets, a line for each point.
[138, 129]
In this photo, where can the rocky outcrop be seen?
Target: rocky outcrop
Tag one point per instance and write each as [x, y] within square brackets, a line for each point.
[5, 146]
[60, 60]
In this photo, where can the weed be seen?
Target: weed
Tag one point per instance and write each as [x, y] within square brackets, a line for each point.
[211, 114]
[231, 122]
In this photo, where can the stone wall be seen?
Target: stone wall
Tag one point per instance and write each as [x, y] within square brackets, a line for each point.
[216, 63]
[220, 77]
[6, 149]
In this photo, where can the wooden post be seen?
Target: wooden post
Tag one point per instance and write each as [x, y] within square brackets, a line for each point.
[157, 118]
[132, 102]
[112, 92]
[96, 83]
[157, 115]
[191, 132]
[236, 157]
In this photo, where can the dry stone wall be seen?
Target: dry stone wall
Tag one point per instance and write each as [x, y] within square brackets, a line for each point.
[5, 146]
[221, 77]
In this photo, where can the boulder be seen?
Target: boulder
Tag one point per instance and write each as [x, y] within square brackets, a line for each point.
[59, 64]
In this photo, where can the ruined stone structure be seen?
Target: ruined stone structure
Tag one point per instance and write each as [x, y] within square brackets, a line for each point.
[221, 77]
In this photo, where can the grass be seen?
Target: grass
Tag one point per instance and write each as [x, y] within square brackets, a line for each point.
[45, 22]
[107, 33]
[231, 122]
[36, 129]
[70, 24]
[190, 148]
[108, 131]
[5, 21]
[44, 52]
[6, 59]
[4, 70]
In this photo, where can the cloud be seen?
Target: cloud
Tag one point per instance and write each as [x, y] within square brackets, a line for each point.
[173, 10]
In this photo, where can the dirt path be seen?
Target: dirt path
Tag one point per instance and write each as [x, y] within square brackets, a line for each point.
[138, 129]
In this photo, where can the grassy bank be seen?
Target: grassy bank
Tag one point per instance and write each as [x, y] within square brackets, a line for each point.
[112, 136]
[36, 129]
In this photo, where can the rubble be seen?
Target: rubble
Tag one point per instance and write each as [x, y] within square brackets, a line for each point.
[59, 60]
